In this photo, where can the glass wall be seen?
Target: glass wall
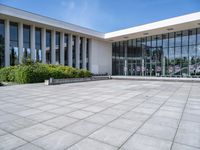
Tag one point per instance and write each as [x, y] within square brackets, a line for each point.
[14, 42]
[171, 54]
[66, 50]
[74, 51]
[48, 46]
[57, 47]
[2, 43]
[26, 41]
[38, 45]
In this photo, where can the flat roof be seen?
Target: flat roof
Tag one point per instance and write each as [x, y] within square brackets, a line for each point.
[160, 27]
[21, 14]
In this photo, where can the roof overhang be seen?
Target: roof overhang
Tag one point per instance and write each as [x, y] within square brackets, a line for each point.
[165, 26]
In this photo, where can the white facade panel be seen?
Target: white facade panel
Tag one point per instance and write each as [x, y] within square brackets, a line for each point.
[100, 58]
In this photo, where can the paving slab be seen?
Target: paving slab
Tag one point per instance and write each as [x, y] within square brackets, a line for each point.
[58, 140]
[111, 136]
[103, 115]
[142, 142]
[90, 144]
[9, 141]
[83, 128]
[34, 132]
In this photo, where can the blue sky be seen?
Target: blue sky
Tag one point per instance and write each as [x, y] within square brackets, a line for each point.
[107, 15]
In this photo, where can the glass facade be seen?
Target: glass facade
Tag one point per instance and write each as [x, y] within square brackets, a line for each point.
[38, 45]
[74, 51]
[26, 41]
[48, 46]
[14, 43]
[14, 52]
[2, 43]
[171, 54]
[66, 50]
[57, 47]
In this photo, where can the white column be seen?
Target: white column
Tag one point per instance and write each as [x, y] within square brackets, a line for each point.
[69, 50]
[44, 45]
[7, 43]
[84, 53]
[53, 47]
[77, 51]
[33, 55]
[20, 42]
[62, 56]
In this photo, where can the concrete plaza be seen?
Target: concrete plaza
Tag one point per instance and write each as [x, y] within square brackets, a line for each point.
[101, 115]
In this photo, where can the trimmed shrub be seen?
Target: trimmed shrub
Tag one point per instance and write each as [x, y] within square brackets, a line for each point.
[37, 72]
[7, 74]
[87, 73]
[24, 74]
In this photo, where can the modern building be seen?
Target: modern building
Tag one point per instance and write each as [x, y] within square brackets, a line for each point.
[165, 48]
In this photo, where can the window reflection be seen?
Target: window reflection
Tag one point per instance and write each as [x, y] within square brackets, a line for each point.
[57, 48]
[26, 42]
[87, 54]
[171, 54]
[38, 45]
[2, 43]
[14, 50]
[81, 52]
[66, 49]
[74, 51]
[48, 46]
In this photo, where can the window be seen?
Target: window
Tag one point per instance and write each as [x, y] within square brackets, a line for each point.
[148, 47]
[159, 41]
[26, 41]
[87, 54]
[48, 46]
[74, 51]
[38, 43]
[130, 49]
[171, 39]
[165, 40]
[14, 50]
[81, 52]
[2, 45]
[178, 38]
[198, 36]
[57, 48]
[66, 49]
[185, 38]
[185, 61]
[192, 37]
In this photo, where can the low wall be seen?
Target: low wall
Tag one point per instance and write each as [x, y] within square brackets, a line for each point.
[172, 79]
[52, 81]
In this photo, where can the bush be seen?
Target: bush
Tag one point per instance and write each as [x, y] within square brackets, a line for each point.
[37, 72]
[24, 74]
[7, 74]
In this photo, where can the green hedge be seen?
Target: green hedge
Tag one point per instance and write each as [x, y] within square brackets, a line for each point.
[35, 73]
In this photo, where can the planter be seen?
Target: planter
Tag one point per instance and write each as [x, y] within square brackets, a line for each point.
[52, 81]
